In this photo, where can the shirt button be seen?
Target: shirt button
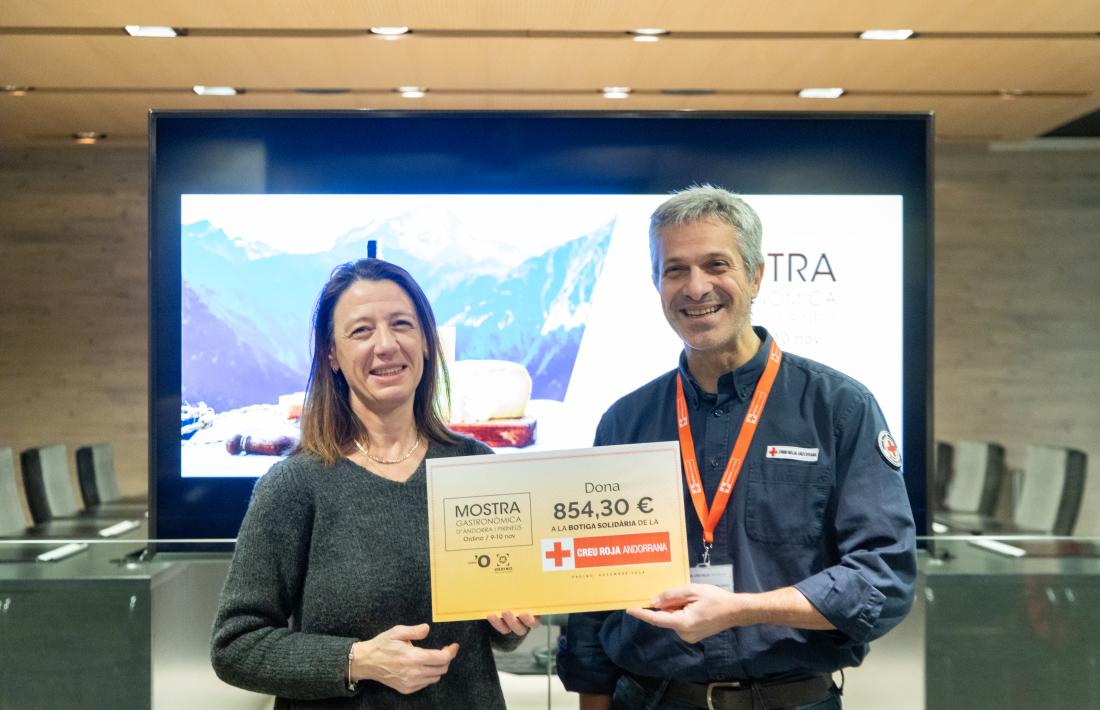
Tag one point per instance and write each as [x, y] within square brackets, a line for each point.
[714, 462]
[718, 412]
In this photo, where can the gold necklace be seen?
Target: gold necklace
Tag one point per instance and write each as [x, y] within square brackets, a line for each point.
[366, 452]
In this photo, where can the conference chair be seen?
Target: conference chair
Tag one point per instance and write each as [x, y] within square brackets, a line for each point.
[23, 543]
[977, 476]
[13, 525]
[48, 486]
[1051, 490]
[12, 521]
[1052, 484]
[95, 472]
[944, 472]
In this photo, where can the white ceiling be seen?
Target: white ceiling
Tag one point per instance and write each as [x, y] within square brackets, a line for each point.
[990, 70]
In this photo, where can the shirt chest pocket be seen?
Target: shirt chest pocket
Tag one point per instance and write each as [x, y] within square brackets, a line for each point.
[785, 503]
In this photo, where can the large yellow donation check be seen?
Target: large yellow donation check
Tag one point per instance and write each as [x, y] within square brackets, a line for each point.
[555, 532]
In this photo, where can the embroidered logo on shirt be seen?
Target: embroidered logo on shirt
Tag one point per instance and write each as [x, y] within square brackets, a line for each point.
[889, 449]
[791, 453]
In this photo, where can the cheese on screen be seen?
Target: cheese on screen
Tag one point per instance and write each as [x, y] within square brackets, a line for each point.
[488, 389]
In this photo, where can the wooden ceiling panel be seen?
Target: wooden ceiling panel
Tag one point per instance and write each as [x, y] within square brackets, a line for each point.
[1088, 105]
[250, 62]
[979, 119]
[929, 65]
[52, 118]
[938, 66]
[958, 77]
[198, 13]
[681, 15]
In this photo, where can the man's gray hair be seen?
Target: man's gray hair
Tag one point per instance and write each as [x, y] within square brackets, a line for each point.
[702, 202]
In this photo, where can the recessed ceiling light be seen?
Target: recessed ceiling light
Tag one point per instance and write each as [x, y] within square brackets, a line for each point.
[651, 31]
[646, 38]
[389, 31]
[215, 90]
[886, 34]
[88, 137]
[412, 92]
[13, 90]
[616, 92]
[821, 93]
[151, 31]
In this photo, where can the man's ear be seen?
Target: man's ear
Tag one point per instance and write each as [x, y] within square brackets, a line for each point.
[655, 247]
[757, 280]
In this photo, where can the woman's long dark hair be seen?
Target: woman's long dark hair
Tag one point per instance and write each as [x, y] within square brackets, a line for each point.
[329, 427]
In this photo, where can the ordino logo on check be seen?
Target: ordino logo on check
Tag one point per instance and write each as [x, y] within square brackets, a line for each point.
[566, 553]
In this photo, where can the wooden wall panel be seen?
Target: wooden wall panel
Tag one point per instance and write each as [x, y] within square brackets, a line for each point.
[1017, 351]
[73, 318]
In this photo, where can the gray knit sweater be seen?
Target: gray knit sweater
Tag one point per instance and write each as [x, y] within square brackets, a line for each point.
[330, 555]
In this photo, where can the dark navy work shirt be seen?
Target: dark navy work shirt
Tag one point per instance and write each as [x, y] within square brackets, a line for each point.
[825, 512]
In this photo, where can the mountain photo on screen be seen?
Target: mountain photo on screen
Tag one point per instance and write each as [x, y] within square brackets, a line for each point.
[544, 303]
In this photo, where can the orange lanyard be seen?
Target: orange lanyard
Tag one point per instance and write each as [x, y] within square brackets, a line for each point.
[709, 518]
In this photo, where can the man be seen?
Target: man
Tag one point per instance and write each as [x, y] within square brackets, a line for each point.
[803, 553]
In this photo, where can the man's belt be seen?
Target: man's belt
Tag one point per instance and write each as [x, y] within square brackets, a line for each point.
[738, 695]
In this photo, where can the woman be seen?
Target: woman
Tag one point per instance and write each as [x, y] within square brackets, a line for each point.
[328, 595]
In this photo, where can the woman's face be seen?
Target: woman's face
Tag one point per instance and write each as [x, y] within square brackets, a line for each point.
[378, 345]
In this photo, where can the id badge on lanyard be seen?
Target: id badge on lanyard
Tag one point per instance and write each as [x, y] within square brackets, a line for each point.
[705, 572]
[720, 576]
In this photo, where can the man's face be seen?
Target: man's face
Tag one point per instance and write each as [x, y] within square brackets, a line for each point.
[705, 289]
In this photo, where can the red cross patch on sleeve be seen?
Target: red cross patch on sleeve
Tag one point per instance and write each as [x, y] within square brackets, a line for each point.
[889, 449]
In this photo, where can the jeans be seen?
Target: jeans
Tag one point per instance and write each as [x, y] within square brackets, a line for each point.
[631, 696]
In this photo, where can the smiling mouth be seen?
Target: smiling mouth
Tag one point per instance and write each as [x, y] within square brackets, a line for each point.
[700, 311]
[388, 371]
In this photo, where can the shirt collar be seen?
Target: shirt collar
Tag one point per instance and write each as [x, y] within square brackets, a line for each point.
[738, 383]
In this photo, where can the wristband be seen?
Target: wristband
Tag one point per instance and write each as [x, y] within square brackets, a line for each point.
[351, 684]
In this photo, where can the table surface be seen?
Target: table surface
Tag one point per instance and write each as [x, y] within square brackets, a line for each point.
[956, 556]
[104, 559]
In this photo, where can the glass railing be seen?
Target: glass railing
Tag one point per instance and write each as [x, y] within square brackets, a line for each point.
[998, 622]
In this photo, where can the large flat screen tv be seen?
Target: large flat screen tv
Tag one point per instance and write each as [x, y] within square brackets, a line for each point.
[528, 232]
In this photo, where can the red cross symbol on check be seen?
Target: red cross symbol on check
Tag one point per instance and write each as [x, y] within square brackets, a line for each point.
[558, 554]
